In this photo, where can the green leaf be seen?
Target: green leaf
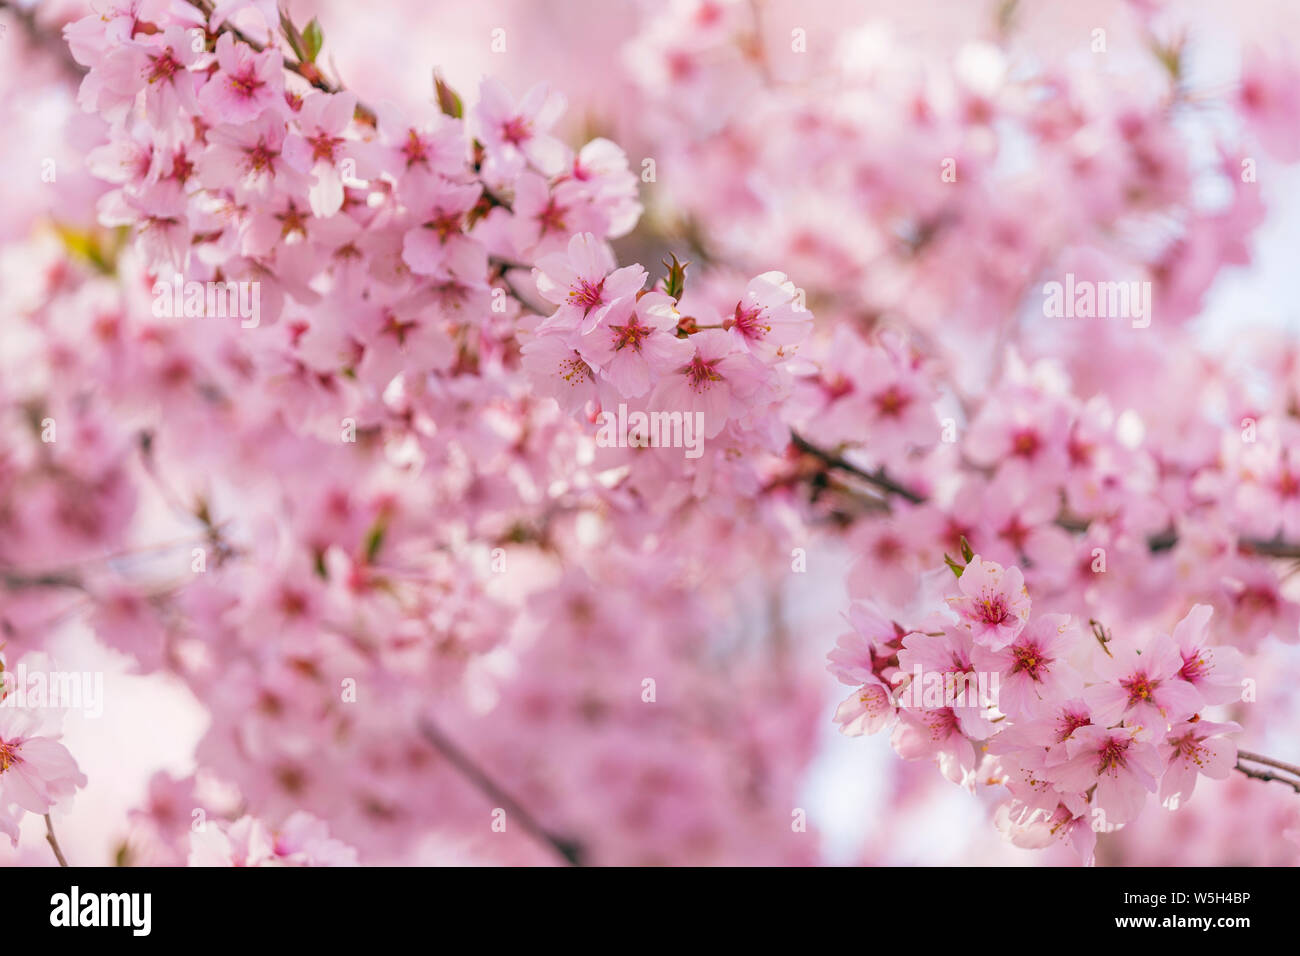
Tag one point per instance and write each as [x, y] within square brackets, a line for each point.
[966, 551]
[375, 541]
[953, 566]
[448, 100]
[312, 39]
[1170, 56]
[96, 247]
[675, 281]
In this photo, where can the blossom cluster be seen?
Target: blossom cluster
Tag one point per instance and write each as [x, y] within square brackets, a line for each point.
[608, 331]
[1082, 727]
[302, 841]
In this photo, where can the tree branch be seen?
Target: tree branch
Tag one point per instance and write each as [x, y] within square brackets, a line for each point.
[1268, 762]
[569, 850]
[876, 478]
[1266, 775]
[15, 580]
[54, 841]
[1273, 548]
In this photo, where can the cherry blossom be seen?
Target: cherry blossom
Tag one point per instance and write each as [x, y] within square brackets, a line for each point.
[584, 283]
[993, 604]
[36, 771]
[306, 387]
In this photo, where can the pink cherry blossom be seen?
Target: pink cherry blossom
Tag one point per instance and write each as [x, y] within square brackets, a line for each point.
[770, 319]
[436, 244]
[1142, 689]
[714, 381]
[1191, 749]
[371, 560]
[303, 841]
[558, 370]
[1215, 672]
[517, 133]
[1033, 667]
[993, 603]
[636, 343]
[249, 156]
[936, 734]
[36, 771]
[584, 283]
[1267, 97]
[318, 147]
[1122, 767]
[423, 142]
[245, 85]
[867, 710]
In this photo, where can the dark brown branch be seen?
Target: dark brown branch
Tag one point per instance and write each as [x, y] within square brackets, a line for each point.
[876, 478]
[16, 580]
[569, 850]
[1267, 775]
[1273, 548]
[1268, 762]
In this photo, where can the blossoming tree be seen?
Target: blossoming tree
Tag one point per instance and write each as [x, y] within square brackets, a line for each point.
[369, 515]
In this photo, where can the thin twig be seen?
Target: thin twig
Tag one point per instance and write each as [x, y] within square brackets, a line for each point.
[54, 841]
[15, 580]
[1164, 541]
[1267, 775]
[569, 850]
[877, 478]
[1273, 548]
[1268, 762]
